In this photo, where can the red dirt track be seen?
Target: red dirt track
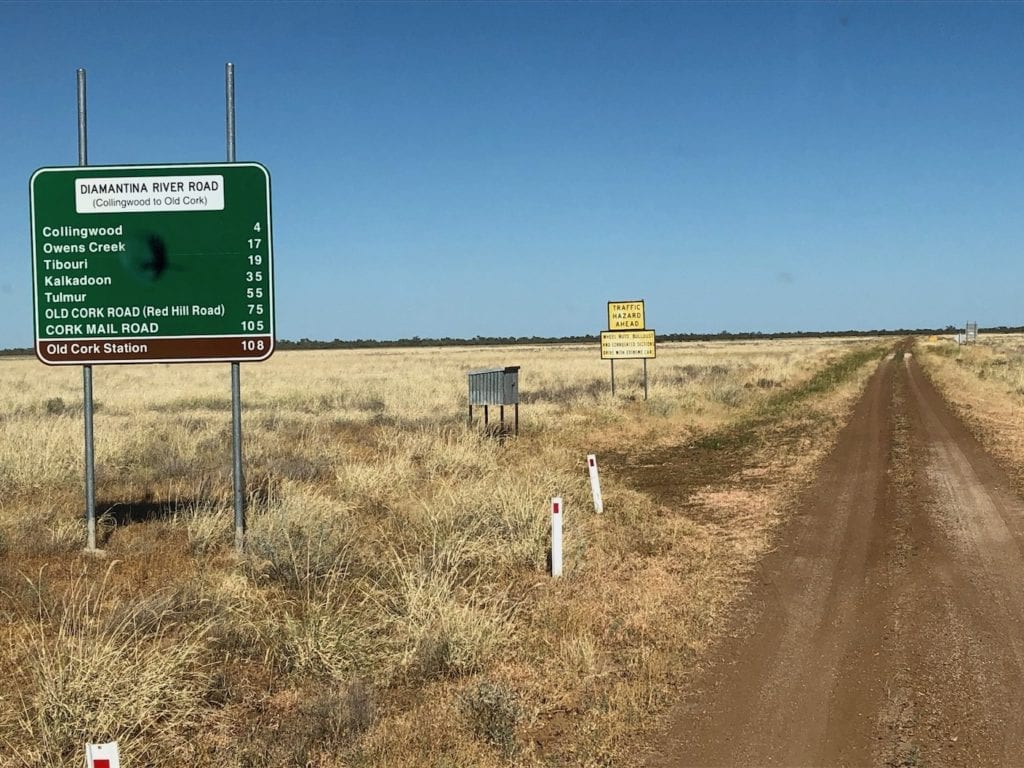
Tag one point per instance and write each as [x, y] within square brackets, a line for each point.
[887, 627]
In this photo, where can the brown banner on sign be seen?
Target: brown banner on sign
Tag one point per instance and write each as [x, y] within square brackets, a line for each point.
[149, 350]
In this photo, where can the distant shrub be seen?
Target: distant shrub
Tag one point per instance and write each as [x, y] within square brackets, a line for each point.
[301, 541]
[493, 712]
[327, 639]
[335, 715]
[439, 631]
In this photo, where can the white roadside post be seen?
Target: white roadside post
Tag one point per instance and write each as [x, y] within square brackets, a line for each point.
[556, 536]
[595, 483]
[102, 755]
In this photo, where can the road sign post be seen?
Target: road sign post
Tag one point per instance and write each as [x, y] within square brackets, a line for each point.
[627, 336]
[237, 467]
[626, 315]
[150, 264]
[158, 263]
[628, 345]
[87, 401]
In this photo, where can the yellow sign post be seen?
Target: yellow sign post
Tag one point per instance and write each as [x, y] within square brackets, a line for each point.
[627, 345]
[626, 316]
[627, 337]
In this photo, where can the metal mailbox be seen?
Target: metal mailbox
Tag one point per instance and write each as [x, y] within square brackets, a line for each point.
[495, 386]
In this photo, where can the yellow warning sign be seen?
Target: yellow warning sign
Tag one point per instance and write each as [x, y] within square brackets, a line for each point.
[626, 316]
[627, 345]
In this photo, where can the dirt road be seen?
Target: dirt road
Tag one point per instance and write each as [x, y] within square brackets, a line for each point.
[887, 628]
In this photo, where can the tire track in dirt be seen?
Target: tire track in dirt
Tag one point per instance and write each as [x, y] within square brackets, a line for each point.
[887, 627]
[977, 522]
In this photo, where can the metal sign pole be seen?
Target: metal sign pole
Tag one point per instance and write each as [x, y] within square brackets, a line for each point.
[236, 375]
[90, 459]
[645, 378]
[613, 376]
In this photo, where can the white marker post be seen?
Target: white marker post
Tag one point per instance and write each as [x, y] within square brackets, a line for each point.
[595, 483]
[102, 755]
[556, 536]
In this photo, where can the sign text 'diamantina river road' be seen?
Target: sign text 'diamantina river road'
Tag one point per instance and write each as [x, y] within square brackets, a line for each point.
[167, 263]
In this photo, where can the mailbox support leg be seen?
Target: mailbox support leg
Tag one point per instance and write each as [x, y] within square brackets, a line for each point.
[470, 415]
[501, 416]
[517, 419]
[485, 417]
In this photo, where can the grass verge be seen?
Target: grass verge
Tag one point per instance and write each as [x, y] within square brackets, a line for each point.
[393, 607]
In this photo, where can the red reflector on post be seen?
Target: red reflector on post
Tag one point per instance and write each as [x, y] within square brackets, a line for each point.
[102, 755]
[555, 508]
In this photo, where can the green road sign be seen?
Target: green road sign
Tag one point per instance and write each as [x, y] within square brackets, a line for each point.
[152, 263]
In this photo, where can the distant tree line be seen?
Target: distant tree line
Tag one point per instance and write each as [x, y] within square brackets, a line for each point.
[491, 341]
[445, 341]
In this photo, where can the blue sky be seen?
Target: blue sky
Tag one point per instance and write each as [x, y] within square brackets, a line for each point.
[463, 169]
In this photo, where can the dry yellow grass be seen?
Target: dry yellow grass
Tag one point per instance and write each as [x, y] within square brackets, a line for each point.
[985, 384]
[393, 607]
